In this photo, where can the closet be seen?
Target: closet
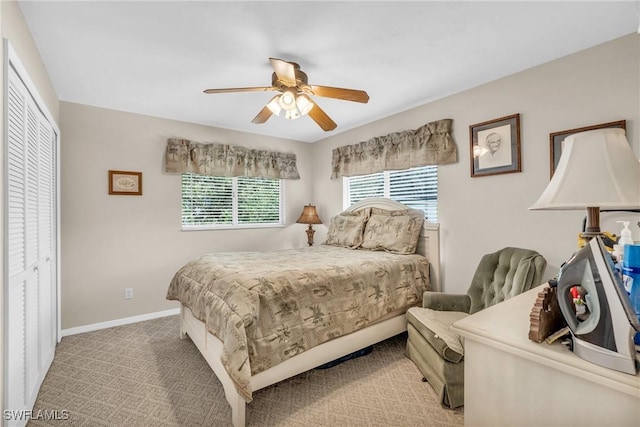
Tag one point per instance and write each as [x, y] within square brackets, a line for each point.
[30, 263]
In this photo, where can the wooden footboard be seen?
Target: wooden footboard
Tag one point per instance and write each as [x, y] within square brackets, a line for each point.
[211, 348]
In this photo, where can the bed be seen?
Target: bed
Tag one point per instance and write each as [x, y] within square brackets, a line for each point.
[310, 307]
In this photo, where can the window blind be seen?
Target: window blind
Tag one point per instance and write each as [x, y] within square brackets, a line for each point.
[213, 201]
[416, 188]
[258, 200]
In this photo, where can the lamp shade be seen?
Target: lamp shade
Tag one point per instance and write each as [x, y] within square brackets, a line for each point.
[274, 105]
[304, 104]
[309, 216]
[597, 168]
[292, 114]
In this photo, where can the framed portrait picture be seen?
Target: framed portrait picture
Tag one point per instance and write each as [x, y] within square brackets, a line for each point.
[495, 146]
[124, 183]
[557, 138]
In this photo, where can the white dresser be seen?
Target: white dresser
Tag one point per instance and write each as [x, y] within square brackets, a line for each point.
[513, 381]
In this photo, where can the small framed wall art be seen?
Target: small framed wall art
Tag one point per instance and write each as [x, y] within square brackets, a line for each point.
[557, 138]
[123, 183]
[495, 146]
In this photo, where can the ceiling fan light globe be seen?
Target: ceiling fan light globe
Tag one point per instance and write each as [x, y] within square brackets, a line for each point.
[292, 114]
[274, 105]
[304, 104]
[288, 100]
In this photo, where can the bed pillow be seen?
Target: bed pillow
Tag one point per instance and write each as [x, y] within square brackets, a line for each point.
[393, 231]
[347, 228]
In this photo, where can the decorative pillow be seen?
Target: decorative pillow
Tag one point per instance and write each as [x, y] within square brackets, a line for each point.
[411, 212]
[346, 229]
[393, 231]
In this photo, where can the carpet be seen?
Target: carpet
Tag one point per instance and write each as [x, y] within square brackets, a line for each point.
[143, 375]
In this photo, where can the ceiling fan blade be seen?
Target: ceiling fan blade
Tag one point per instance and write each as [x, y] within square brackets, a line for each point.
[284, 70]
[262, 116]
[321, 118]
[241, 89]
[341, 93]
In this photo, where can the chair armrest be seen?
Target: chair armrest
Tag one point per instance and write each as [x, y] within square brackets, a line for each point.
[446, 302]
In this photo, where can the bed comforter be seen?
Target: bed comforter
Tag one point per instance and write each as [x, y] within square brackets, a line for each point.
[267, 307]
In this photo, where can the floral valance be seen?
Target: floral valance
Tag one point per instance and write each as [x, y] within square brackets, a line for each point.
[228, 160]
[431, 144]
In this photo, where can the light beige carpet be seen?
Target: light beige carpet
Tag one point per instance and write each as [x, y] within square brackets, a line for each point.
[144, 375]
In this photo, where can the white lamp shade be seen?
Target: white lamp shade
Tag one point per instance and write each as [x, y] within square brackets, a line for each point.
[292, 114]
[596, 169]
[304, 104]
[274, 105]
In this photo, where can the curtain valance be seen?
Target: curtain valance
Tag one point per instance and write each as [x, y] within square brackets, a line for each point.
[228, 160]
[431, 144]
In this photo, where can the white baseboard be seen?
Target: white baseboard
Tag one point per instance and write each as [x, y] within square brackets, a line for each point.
[119, 322]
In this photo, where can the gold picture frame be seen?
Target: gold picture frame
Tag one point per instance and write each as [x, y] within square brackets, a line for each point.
[125, 183]
[495, 146]
[556, 139]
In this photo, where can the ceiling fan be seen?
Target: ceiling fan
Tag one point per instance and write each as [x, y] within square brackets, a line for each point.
[294, 100]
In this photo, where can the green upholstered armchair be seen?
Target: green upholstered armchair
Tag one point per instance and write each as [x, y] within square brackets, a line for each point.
[434, 347]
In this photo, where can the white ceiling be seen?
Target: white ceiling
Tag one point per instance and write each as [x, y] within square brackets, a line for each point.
[156, 58]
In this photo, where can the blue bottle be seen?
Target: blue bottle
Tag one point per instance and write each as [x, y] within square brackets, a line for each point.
[631, 279]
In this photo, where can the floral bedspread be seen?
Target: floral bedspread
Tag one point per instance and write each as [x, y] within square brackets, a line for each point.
[267, 307]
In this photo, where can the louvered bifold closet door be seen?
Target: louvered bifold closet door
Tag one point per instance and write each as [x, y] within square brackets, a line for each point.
[47, 314]
[31, 298]
[16, 236]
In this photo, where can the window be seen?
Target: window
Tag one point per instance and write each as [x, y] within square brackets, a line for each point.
[416, 188]
[225, 202]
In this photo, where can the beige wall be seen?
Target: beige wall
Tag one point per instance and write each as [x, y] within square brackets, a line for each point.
[110, 243]
[480, 215]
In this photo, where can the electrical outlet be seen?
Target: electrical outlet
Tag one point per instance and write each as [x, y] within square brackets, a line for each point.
[128, 293]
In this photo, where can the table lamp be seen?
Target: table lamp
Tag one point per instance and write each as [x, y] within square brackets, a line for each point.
[309, 216]
[597, 169]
